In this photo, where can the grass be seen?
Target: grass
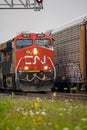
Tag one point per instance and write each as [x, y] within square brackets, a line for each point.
[42, 114]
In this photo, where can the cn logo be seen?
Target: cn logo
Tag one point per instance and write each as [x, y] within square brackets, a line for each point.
[34, 59]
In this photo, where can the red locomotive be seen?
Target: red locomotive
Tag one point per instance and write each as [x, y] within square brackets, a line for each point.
[27, 62]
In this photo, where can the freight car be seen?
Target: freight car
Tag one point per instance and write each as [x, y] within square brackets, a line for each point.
[27, 63]
[70, 56]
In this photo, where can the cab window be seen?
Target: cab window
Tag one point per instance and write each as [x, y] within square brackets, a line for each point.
[22, 43]
[42, 42]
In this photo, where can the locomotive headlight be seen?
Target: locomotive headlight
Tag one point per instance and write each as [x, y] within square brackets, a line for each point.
[35, 51]
[26, 67]
[45, 67]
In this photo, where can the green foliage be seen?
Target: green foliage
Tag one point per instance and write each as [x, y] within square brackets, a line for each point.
[42, 114]
[5, 104]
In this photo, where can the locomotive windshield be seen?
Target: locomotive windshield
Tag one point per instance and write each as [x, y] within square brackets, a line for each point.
[42, 42]
[22, 43]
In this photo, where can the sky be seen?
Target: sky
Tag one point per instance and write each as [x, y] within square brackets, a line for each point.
[54, 14]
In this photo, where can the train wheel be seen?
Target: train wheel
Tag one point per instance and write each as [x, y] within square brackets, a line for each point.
[9, 82]
[20, 85]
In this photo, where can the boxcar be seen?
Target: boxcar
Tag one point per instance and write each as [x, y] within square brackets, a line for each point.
[70, 56]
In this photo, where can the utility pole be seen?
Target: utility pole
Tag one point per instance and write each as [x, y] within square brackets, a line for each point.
[37, 5]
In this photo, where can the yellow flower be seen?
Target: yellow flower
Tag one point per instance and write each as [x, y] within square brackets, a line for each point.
[54, 94]
[34, 121]
[7, 128]
[39, 118]
[36, 104]
[56, 126]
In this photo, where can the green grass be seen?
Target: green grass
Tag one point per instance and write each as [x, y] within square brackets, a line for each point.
[42, 114]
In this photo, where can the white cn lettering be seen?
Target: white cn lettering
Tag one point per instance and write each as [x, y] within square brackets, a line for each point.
[35, 59]
[27, 62]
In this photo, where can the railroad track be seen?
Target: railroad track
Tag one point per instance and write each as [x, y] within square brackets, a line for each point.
[75, 96]
[49, 95]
